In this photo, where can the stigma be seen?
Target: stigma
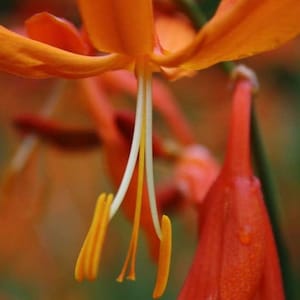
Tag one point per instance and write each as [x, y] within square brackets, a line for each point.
[140, 158]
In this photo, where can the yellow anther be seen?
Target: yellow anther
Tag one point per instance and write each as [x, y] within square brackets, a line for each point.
[88, 260]
[164, 258]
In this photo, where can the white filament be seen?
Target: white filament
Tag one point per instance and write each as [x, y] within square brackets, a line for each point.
[144, 98]
[149, 159]
[134, 150]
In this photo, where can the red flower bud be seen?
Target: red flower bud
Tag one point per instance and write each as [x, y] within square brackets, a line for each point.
[236, 257]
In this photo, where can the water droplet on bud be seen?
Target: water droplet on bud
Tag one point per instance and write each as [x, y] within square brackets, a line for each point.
[245, 235]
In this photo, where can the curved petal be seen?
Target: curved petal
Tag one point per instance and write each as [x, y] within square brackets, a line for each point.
[174, 32]
[119, 26]
[240, 28]
[57, 32]
[29, 58]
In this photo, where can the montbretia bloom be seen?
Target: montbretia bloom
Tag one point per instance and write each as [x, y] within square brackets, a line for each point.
[195, 171]
[127, 36]
[236, 257]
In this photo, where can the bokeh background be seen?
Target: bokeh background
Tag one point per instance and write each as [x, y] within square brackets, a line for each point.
[45, 209]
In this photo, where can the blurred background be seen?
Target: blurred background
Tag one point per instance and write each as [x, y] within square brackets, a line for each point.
[46, 208]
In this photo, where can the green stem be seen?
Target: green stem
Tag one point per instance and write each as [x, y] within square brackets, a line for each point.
[193, 11]
[271, 198]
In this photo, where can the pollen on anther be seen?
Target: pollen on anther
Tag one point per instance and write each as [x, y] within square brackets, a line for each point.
[88, 260]
[164, 258]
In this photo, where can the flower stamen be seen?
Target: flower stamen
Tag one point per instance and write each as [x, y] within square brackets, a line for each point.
[149, 159]
[131, 254]
[164, 258]
[88, 260]
[119, 197]
[141, 149]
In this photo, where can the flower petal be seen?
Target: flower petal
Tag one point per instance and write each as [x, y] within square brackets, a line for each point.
[29, 58]
[271, 286]
[194, 173]
[57, 32]
[119, 26]
[174, 32]
[70, 138]
[240, 28]
[229, 258]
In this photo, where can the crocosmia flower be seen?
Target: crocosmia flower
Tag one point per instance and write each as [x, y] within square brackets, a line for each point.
[124, 34]
[236, 257]
[195, 171]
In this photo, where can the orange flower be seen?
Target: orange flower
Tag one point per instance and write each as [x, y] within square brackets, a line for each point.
[236, 256]
[126, 31]
[195, 171]
[51, 30]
